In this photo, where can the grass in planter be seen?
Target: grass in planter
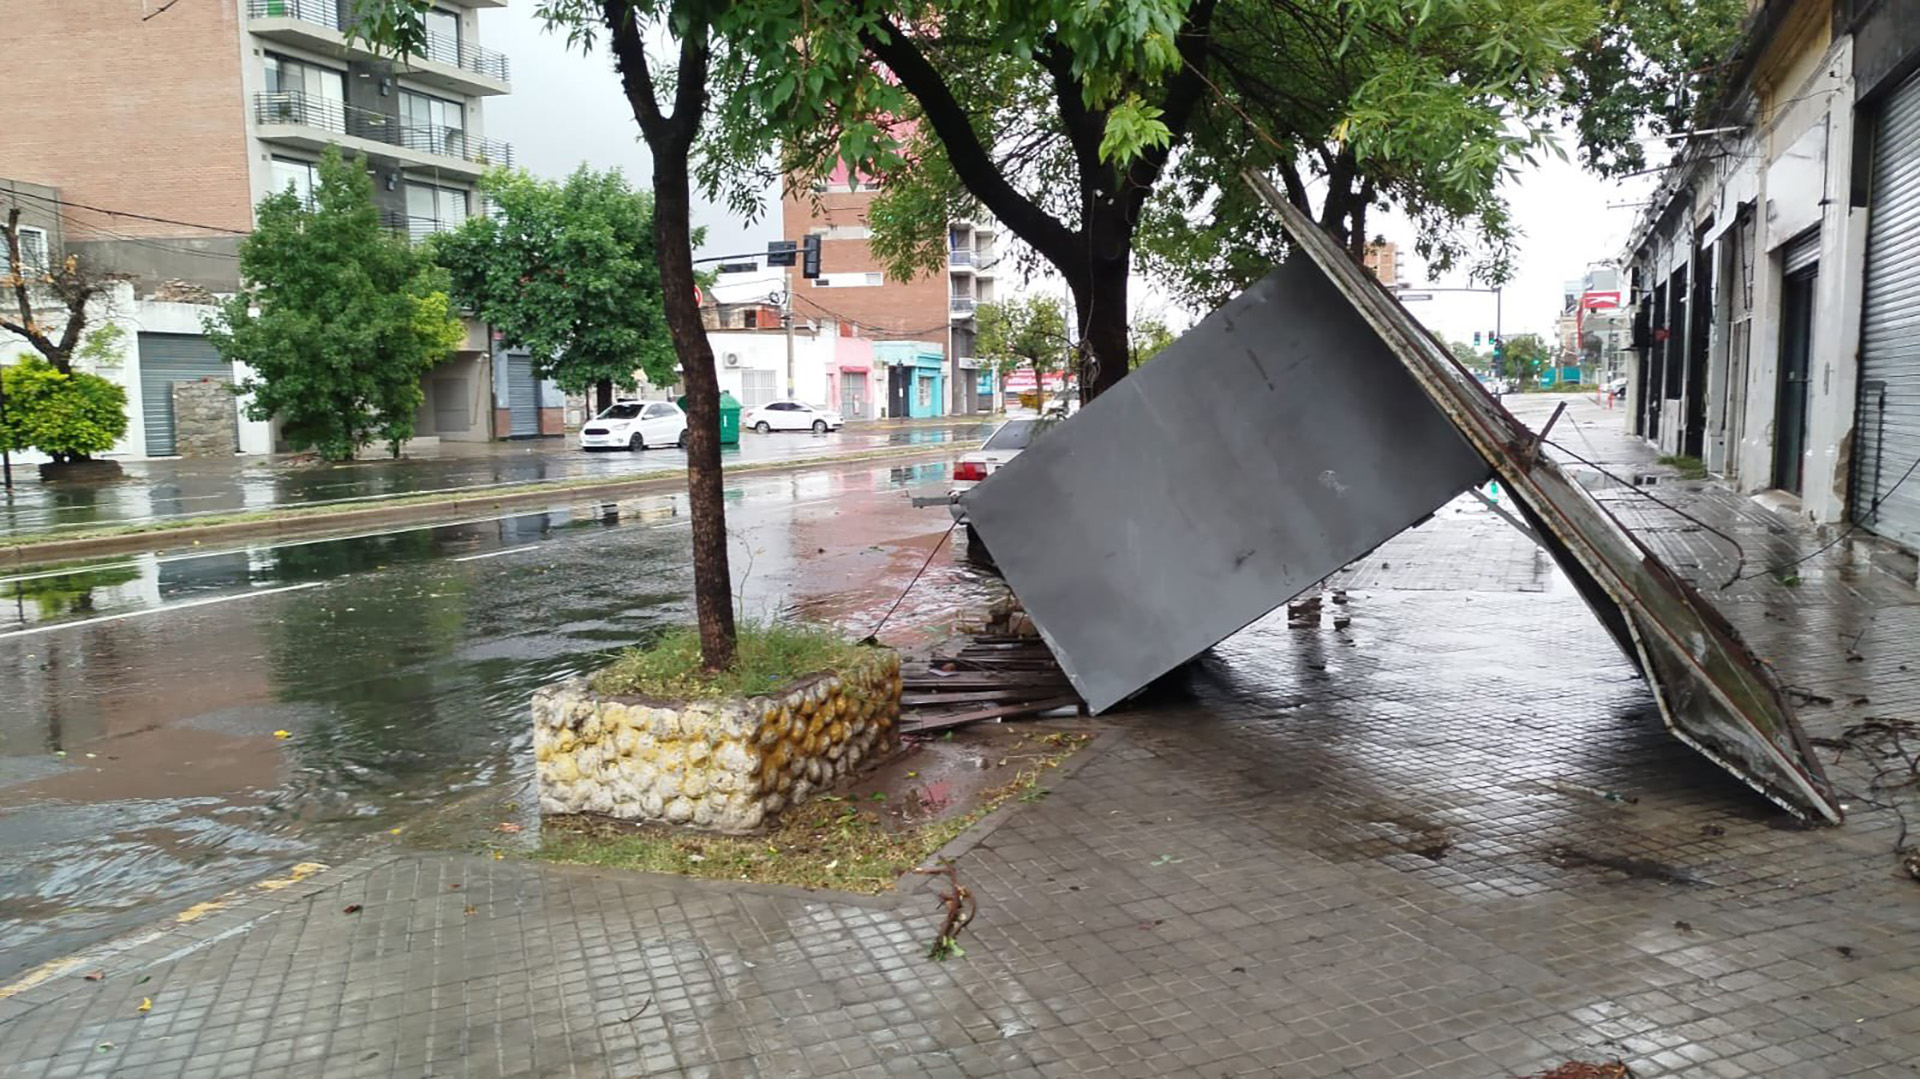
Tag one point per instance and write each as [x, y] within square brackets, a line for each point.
[766, 657]
[829, 842]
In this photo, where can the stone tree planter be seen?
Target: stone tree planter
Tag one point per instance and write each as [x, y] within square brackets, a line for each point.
[727, 764]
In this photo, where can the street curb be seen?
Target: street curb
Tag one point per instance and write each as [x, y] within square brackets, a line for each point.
[296, 521]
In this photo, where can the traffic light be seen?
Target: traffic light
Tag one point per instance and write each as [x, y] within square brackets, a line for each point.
[780, 252]
[810, 257]
[1476, 339]
[1499, 354]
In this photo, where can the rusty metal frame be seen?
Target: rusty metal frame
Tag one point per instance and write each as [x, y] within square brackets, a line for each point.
[1713, 693]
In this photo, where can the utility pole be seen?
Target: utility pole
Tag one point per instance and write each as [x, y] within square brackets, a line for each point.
[786, 317]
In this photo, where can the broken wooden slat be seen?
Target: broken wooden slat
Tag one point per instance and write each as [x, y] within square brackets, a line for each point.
[941, 723]
[1010, 693]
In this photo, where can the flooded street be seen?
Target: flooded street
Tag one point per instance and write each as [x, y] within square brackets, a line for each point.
[175, 726]
[172, 488]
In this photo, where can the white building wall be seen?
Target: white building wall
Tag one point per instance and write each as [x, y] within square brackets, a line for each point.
[743, 355]
[1823, 102]
[1769, 169]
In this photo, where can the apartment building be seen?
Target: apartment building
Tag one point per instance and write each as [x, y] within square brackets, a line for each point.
[934, 312]
[1382, 260]
[163, 125]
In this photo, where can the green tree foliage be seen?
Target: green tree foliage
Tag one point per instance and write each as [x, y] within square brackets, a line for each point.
[1061, 119]
[566, 271]
[66, 415]
[1056, 116]
[1468, 357]
[1522, 359]
[1146, 337]
[1420, 107]
[1027, 331]
[339, 318]
[1653, 66]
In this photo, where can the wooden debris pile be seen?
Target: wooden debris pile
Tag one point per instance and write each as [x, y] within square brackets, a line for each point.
[1003, 672]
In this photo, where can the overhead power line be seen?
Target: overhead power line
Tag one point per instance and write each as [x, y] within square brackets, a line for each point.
[124, 213]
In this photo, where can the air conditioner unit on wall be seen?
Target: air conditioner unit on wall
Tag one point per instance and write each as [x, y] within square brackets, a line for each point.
[732, 359]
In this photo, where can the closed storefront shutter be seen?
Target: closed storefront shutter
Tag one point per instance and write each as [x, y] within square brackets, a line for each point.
[166, 358]
[523, 397]
[1886, 485]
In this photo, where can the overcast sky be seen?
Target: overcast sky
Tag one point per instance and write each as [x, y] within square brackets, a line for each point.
[567, 108]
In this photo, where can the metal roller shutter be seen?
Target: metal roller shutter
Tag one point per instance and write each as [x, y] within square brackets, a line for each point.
[167, 358]
[1887, 439]
[523, 397]
[1801, 252]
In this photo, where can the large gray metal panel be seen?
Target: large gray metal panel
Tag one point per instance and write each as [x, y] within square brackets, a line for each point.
[1713, 693]
[1272, 444]
[166, 358]
[1887, 423]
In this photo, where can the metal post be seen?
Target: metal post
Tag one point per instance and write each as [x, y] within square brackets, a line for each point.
[786, 316]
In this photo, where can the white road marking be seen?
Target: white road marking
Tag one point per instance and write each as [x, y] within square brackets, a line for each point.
[497, 554]
[51, 626]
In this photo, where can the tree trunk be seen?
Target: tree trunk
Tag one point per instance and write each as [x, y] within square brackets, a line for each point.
[712, 578]
[602, 395]
[1100, 307]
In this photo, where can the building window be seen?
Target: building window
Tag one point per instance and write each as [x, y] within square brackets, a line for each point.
[33, 248]
[757, 387]
[924, 391]
[850, 280]
[432, 209]
[303, 177]
[433, 124]
[306, 93]
[443, 23]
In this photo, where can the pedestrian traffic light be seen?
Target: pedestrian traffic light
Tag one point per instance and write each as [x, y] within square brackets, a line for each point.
[810, 257]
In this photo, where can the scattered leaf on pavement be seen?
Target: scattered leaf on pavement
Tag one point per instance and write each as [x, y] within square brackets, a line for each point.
[97, 975]
[146, 1004]
[283, 734]
[506, 826]
[351, 908]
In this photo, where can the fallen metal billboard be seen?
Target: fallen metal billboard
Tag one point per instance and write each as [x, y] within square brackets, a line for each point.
[1295, 429]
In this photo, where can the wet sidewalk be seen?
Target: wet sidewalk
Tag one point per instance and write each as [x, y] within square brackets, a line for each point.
[1447, 839]
[168, 488]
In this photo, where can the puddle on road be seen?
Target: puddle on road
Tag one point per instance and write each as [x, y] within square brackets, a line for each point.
[400, 682]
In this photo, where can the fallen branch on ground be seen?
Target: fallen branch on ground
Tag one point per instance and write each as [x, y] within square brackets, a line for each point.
[960, 911]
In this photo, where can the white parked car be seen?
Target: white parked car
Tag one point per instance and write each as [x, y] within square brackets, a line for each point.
[635, 425]
[1003, 445]
[791, 416]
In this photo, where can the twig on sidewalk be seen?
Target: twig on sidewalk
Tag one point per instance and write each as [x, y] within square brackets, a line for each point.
[960, 911]
[644, 1005]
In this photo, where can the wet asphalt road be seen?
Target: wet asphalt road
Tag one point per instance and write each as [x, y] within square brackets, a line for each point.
[139, 699]
[154, 490]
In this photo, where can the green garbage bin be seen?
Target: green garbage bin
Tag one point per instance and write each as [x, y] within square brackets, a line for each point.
[729, 418]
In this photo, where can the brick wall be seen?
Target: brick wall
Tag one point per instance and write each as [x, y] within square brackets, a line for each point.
[146, 117]
[914, 309]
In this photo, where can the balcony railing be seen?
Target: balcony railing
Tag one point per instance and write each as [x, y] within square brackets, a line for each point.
[960, 256]
[962, 305]
[438, 48]
[413, 228]
[327, 114]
